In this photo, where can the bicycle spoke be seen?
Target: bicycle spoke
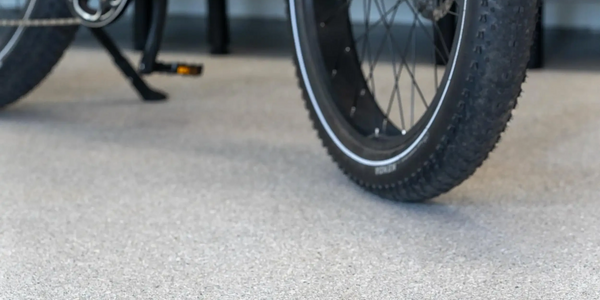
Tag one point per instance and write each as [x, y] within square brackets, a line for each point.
[397, 75]
[387, 51]
[415, 85]
[431, 39]
[391, 10]
[405, 64]
[413, 78]
[388, 31]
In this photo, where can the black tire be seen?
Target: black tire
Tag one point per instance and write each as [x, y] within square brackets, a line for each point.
[495, 39]
[36, 52]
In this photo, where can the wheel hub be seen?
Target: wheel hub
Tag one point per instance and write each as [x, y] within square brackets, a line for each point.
[97, 13]
[433, 9]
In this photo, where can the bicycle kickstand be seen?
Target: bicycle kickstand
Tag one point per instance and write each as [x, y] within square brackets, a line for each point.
[148, 64]
[147, 94]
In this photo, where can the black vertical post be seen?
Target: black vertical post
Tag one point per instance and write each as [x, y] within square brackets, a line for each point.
[537, 50]
[444, 31]
[218, 26]
[141, 23]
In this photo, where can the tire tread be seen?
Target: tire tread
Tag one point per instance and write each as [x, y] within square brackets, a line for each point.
[477, 127]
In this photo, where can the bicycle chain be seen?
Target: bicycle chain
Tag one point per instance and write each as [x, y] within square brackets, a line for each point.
[436, 13]
[40, 22]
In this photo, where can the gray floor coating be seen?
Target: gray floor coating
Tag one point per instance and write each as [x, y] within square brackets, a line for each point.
[225, 193]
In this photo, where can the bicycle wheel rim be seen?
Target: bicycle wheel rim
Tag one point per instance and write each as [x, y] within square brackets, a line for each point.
[318, 84]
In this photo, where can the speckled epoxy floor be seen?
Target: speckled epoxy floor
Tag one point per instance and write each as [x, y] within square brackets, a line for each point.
[225, 193]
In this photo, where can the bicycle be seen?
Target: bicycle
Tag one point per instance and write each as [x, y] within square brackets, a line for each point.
[361, 74]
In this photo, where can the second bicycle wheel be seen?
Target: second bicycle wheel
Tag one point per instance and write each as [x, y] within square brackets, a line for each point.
[28, 54]
[406, 111]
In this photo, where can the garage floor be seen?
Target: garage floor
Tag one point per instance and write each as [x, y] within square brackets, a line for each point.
[225, 193]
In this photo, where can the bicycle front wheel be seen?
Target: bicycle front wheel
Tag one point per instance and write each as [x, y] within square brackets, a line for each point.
[410, 96]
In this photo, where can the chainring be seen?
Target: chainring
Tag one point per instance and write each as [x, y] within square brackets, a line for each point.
[97, 13]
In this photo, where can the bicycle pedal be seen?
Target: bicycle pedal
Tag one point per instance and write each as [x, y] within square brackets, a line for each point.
[179, 69]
